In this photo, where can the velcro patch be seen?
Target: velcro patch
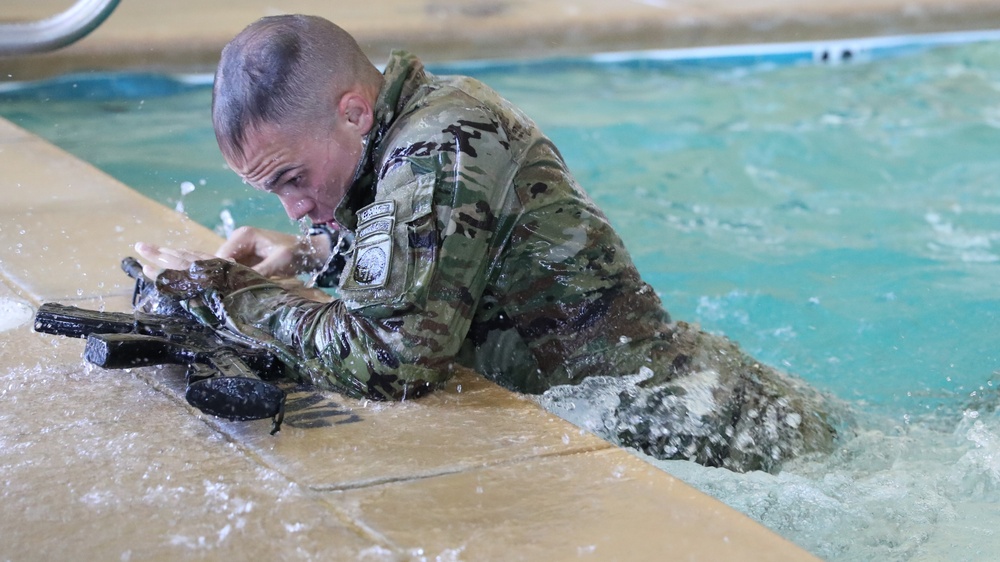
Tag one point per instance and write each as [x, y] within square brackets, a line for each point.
[376, 210]
[380, 226]
[373, 246]
[371, 263]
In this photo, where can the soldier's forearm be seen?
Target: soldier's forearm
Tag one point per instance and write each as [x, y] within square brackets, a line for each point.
[328, 345]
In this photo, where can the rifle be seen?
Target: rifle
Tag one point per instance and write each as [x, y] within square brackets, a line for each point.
[224, 376]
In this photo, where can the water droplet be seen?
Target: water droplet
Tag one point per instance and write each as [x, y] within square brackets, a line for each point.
[228, 223]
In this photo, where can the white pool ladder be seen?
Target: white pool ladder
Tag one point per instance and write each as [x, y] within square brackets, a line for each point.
[57, 31]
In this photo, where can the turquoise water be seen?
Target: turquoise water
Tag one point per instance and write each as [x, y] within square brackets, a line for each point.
[841, 222]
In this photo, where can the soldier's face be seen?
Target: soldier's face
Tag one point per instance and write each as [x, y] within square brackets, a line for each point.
[309, 168]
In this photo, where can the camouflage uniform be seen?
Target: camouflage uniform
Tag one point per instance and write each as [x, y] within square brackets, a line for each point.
[474, 245]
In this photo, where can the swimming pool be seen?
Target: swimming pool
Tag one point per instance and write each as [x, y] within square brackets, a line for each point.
[839, 221]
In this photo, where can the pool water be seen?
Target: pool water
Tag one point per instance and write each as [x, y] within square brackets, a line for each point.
[841, 222]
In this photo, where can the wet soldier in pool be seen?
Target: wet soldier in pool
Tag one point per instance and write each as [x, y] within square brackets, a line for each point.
[472, 245]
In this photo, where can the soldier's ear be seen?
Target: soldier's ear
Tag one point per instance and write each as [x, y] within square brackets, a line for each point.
[356, 111]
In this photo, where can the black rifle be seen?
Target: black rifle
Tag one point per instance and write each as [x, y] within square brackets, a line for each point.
[224, 377]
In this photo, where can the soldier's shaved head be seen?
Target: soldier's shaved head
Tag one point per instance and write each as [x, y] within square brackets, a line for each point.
[288, 70]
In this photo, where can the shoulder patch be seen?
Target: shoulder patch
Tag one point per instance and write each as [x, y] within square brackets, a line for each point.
[371, 266]
[375, 210]
[394, 252]
[373, 246]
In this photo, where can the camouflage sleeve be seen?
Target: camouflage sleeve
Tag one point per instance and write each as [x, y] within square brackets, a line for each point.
[422, 254]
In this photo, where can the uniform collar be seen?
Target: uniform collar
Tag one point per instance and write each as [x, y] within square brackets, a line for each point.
[404, 73]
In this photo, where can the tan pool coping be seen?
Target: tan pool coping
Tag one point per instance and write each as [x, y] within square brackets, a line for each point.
[187, 35]
[115, 465]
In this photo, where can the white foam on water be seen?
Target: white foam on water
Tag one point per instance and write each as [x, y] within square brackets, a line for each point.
[890, 490]
[14, 313]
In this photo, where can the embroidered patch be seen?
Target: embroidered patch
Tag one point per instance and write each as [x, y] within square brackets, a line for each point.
[373, 246]
[380, 226]
[371, 265]
[376, 210]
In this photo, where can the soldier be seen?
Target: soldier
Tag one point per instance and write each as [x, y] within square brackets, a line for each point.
[472, 245]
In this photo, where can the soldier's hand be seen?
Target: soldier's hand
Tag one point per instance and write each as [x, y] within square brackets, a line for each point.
[211, 275]
[274, 254]
[157, 258]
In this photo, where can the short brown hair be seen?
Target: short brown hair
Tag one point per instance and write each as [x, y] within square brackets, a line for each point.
[283, 69]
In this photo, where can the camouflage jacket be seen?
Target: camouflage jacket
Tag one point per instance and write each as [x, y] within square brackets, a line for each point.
[473, 245]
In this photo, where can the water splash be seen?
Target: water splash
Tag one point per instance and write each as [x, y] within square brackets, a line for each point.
[186, 188]
[890, 491]
[14, 313]
[228, 224]
[308, 244]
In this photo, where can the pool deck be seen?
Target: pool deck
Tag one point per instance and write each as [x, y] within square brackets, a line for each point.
[188, 35]
[114, 465]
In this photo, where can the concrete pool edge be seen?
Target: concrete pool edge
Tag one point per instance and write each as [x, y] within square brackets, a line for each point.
[473, 469]
[835, 51]
[186, 36]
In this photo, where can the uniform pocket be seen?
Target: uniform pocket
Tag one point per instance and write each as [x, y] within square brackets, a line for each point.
[394, 252]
